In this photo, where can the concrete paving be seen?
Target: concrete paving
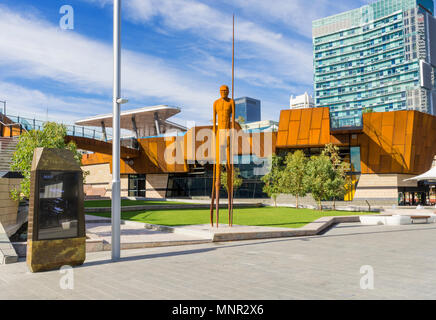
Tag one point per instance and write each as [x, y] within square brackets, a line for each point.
[241, 232]
[327, 266]
[134, 235]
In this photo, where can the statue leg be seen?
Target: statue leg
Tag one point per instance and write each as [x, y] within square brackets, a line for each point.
[231, 194]
[217, 190]
[212, 196]
[229, 180]
[229, 188]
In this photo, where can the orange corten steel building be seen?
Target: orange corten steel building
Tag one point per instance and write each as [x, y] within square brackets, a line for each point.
[388, 148]
[187, 155]
[393, 146]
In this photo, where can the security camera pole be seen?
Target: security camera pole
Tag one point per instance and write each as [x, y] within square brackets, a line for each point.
[116, 185]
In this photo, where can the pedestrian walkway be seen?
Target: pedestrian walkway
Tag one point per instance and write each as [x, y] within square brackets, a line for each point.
[134, 235]
[326, 266]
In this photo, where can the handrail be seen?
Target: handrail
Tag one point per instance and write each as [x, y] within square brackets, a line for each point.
[72, 130]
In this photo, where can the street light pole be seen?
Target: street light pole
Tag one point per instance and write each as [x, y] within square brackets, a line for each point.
[4, 107]
[116, 184]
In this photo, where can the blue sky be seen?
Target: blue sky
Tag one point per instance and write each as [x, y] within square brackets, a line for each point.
[175, 52]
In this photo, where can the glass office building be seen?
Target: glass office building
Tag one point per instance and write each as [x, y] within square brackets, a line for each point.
[248, 108]
[380, 57]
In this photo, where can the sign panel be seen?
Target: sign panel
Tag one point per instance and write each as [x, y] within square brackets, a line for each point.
[56, 233]
[58, 205]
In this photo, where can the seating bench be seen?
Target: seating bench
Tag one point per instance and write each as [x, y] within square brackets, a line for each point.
[420, 218]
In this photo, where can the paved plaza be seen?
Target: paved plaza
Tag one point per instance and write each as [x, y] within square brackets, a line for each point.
[327, 266]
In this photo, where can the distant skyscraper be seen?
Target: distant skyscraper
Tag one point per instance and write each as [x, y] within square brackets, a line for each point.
[248, 108]
[303, 101]
[380, 57]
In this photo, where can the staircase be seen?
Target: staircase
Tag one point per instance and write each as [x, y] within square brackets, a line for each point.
[7, 149]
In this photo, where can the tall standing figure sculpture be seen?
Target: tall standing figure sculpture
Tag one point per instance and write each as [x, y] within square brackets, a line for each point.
[224, 109]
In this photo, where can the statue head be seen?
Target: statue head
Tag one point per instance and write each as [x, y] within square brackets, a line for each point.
[224, 91]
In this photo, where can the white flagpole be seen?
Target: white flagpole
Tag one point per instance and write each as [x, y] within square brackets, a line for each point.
[116, 185]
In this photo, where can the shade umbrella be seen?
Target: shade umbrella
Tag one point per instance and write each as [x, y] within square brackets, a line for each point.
[429, 175]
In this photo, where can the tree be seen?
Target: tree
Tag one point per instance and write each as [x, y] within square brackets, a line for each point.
[237, 180]
[337, 182]
[319, 170]
[293, 177]
[272, 185]
[241, 120]
[51, 136]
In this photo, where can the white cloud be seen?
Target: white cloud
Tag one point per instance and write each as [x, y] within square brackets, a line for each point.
[295, 14]
[32, 48]
[32, 103]
[289, 58]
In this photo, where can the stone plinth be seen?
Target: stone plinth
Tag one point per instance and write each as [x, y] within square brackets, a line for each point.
[56, 225]
[8, 207]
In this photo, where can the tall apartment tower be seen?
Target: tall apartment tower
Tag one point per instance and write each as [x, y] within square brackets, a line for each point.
[380, 57]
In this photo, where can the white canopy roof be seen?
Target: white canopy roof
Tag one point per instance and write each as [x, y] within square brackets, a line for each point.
[145, 119]
[429, 175]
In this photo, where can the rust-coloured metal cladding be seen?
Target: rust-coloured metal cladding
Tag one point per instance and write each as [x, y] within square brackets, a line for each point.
[390, 142]
[102, 147]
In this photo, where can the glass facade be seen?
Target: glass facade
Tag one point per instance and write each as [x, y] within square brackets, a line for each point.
[137, 183]
[248, 108]
[199, 184]
[355, 159]
[370, 59]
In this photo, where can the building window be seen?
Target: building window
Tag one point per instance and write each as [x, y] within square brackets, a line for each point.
[137, 185]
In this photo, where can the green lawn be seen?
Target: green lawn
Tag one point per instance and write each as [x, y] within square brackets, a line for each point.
[125, 203]
[264, 216]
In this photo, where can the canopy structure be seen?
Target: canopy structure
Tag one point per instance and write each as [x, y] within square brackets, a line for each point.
[144, 122]
[430, 175]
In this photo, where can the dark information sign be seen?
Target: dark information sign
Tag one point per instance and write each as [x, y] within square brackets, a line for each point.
[58, 205]
[56, 234]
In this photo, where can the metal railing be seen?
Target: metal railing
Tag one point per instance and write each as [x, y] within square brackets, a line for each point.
[72, 130]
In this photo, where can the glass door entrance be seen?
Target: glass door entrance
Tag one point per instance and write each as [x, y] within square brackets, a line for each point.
[137, 185]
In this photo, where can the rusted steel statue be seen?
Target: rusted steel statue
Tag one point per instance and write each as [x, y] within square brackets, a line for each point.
[224, 108]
